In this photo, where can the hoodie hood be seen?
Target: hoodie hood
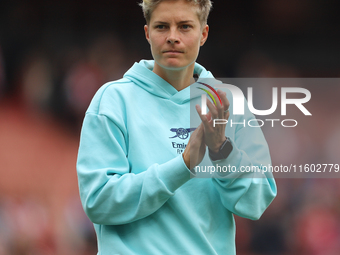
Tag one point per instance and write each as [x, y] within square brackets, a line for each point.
[142, 75]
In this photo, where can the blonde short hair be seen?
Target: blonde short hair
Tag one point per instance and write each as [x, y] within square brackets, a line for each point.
[204, 7]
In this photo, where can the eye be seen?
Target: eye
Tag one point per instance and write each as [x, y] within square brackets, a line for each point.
[185, 27]
[160, 27]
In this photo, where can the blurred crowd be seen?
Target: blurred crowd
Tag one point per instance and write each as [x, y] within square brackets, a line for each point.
[27, 227]
[54, 55]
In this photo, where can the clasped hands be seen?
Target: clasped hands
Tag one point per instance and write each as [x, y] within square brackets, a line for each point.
[206, 135]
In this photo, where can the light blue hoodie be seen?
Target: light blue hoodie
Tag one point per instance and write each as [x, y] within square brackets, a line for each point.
[135, 186]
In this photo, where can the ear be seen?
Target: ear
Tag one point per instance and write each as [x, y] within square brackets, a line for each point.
[204, 37]
[146, 30]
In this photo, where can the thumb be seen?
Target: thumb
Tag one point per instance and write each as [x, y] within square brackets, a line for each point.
[200, 132]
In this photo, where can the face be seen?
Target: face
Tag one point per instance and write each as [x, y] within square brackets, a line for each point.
[175, 35]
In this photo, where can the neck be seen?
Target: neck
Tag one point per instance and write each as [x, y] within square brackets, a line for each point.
[179, 79]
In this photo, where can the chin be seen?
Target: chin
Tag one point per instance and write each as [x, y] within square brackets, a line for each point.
[174, 64]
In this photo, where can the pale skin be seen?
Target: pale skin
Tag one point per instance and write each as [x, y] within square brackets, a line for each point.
[176, 34]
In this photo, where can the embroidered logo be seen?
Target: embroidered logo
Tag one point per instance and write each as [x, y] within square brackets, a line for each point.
[182, 133]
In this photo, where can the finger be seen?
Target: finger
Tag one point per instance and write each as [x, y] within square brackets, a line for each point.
[225, 101]
[212, 109]
[201, 136]
[226, 115]
[200, 132]
[217, 100]
[209, 117]
[225, 107]
[218, 104]
[203, 118]
[206, 123]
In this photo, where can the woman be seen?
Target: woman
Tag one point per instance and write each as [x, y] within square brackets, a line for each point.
[135, 167]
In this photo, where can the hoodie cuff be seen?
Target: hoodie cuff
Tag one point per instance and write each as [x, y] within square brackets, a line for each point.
[174, 173]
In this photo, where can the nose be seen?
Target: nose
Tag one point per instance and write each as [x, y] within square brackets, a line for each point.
[171, 40]
[173, 37]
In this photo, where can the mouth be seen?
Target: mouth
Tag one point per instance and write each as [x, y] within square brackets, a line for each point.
[173, 51]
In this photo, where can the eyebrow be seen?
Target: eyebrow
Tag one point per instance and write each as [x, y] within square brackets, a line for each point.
[181, 22]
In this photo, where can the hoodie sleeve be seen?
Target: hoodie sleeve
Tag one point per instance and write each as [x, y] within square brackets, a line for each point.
[110, 194]
[243, 192]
